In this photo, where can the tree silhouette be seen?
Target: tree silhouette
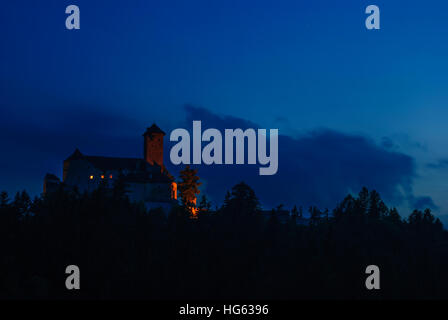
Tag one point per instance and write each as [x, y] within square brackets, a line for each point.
[22, 203]
[300, 216]
[294, 212]
[189, 188]
[4, 199]
[242, 201]
[241, 251]
[204, 204]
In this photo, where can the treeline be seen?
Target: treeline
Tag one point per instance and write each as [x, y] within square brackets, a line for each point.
[234, 252]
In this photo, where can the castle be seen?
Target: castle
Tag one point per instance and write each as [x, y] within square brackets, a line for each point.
[146, 180]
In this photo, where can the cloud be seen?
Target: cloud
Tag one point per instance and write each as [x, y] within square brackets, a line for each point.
[421, 203]
[402, 142]
[36, 141]
[440, 164]
[318, 168]
[388, 143]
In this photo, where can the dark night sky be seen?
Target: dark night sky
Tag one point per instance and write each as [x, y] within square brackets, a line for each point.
[353, 107]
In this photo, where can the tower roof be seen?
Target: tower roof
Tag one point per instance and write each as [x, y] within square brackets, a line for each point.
[153, 129]
[75, 155]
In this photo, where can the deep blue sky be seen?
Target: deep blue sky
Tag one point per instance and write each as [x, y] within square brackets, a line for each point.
[355, 107]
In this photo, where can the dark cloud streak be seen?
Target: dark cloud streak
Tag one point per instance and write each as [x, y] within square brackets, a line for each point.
[440, 164]
[318, 168]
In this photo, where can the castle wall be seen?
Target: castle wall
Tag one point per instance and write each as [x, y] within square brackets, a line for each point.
[85, 177]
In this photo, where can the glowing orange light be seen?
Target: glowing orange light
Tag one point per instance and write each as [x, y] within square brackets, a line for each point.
[194, 212]
[174, 190]
[110, 177]
[91, 177]
[102, 177]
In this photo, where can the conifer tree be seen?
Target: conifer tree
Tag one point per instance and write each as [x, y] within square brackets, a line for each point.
[204, 205]
[4, 200]
[294, 212]
[22, 202]
[243, 200]
[189, 188]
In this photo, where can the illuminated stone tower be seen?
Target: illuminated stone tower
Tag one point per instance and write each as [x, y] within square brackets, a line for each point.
[153, 145]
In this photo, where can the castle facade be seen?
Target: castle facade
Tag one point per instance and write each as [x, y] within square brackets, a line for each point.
[145, 179]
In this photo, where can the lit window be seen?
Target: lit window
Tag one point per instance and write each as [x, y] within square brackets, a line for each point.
[91, 177]
[102, 176]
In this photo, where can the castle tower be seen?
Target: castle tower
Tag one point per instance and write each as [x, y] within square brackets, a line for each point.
[153, 145]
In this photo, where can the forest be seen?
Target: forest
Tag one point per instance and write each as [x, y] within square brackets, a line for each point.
[232, 252]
